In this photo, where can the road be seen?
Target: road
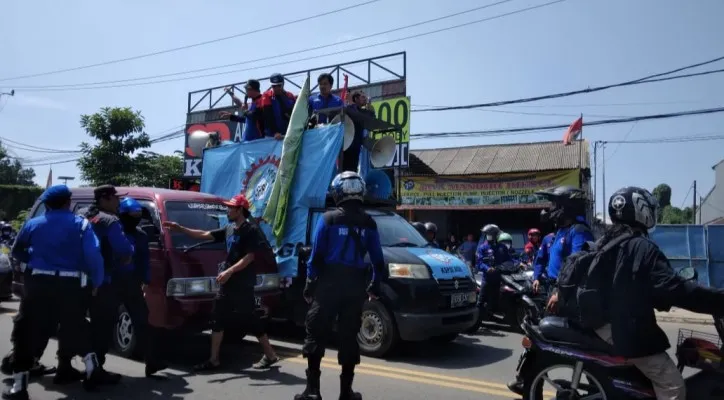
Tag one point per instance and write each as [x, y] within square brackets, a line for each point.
[472, 367]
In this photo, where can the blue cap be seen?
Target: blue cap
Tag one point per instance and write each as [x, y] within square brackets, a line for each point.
[129, 205]
[56, 192]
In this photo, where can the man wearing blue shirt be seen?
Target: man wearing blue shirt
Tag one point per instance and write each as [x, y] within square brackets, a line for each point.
[62, 252]
[324, 99]
[252, 116]
[489, 256]
[116, 251]
[130, 281]
[540, 264]
[337, 282]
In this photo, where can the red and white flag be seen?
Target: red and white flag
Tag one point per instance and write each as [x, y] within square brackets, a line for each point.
[573, 131]
[343, 94]
[49, 182]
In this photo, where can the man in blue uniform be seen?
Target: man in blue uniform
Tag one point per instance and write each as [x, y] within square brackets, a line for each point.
[337, 282]
[61, 252]
[567, 212]
[251, 115]
[130, 281]
[116, 251]
[324, 99]
[277, 106]
[490, 255]
[540, 263]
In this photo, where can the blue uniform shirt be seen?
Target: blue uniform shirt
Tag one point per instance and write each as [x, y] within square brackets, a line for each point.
[114, 243]
[318, 102]
[541, 258]
[140, 265]
[56, 241]
[329, 247]
[499, 252]
[567, 241]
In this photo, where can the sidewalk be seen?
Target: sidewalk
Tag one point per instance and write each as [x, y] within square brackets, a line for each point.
[680, 316]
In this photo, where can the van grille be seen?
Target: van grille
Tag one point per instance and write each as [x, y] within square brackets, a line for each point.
[448, 285]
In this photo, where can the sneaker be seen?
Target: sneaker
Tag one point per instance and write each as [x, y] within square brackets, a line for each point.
[265, 362]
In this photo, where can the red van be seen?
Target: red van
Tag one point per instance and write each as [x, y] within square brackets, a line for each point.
[183, 270]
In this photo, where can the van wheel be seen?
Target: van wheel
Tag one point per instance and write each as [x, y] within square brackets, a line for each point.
[378, 335]
[125, 339]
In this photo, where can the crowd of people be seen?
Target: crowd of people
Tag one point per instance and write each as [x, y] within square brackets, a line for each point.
[269, 112]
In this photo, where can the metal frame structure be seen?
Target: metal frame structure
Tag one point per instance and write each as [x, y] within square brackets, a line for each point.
[211, 97]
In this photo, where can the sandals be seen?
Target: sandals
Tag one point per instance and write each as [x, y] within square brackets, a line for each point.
[207, 366]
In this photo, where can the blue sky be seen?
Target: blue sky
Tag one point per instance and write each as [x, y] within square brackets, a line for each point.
[566, 46]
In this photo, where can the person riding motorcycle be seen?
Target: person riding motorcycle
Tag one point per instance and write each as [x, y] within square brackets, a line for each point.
[6, 234]
[531, 248]
[644, 280]
[431, 234]
[490, 254]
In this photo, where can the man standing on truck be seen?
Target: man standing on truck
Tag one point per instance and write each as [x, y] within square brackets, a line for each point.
[131, 281]
[324, 99]
[337, 277]
[116, 251]
[62, 252]
[237, 277]
[350, 157]
[252, 116]
[278, 105]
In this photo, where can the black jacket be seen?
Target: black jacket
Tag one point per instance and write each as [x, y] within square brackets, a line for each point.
[644, 281]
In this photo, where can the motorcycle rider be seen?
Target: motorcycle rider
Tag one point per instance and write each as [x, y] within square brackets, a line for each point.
[6, 233]
[420, 227]
[490, 254]
[431, 234]
[644, 281]
[531, 248]
[507, 240]
[567, 210]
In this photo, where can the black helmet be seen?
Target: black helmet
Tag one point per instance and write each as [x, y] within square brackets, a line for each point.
[430, 227]
[633, 206]
[566, 201]
[420, 227]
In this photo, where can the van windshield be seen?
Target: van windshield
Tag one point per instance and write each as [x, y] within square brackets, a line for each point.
[195, 215]
[396, 232]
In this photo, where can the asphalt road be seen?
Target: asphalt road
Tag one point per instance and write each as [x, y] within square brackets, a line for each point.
[472, 367]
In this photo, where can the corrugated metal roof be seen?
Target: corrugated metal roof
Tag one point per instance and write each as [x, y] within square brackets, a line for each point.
[501, 158]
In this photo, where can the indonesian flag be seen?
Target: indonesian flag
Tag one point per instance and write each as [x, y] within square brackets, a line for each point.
[343, 95]
[573, 131]
[49, 182]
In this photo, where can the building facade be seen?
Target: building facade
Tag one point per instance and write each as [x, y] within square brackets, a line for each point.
[711, 209]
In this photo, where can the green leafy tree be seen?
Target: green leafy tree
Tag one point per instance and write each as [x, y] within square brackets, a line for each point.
[663, 195]
[155, 170]
[118, 133]
[12, 171]
[18, 222]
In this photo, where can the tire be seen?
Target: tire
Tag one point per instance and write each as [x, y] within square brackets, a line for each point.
[125, 339]
[378, 334]
[540, 367]
[444, 338]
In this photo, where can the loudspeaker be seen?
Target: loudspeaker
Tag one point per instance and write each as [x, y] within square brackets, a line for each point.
[197, 141]
[348, 130]
[382, 151]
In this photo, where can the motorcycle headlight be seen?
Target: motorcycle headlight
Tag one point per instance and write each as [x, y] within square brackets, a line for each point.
[411, 271]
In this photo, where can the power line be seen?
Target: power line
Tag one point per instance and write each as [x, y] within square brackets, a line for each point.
[498, 132]
[676, 139]
[174, 49]
[686, 197]
[524, 112]
[624, 139]
[584, 91]
[336, 53]
[325, 46]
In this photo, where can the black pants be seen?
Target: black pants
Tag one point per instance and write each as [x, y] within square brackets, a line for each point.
[129, 293]
[103, 309]
[489, 292]
[50, 301]
[340, 295]
[350, 157]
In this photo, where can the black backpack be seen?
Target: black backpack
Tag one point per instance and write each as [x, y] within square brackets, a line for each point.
[585, 281]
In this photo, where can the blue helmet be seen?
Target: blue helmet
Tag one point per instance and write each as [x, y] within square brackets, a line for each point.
[129, 205]
[347, 186]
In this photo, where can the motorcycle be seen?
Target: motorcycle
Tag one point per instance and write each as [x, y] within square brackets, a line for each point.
[517, 283]
[552, 344]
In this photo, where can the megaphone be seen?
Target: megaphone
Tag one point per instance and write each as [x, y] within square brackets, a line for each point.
[198, 140]
[382, 151]
[348, 130]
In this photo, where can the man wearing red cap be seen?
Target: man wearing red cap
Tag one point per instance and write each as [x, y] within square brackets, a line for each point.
[237, 278]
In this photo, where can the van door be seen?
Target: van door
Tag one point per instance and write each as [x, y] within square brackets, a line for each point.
[158, 264]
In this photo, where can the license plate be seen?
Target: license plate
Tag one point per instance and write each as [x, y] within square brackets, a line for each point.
[458, 300]
[257, 301]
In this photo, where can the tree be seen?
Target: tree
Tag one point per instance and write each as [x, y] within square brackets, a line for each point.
[12, 171]
[669, 214]
[662, 193]
[119, 133]
[155, 170]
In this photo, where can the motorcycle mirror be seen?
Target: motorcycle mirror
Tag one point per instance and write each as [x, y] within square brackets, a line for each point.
[688, 273]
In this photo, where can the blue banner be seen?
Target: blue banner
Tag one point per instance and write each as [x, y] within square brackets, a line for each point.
[251, 168]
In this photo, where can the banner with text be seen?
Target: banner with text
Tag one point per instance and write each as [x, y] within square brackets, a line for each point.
[491, 191]
[396, 111]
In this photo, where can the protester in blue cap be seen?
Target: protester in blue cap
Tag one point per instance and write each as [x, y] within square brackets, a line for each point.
[116, 251]
[278, 105]
[130, 281]
[62, 253]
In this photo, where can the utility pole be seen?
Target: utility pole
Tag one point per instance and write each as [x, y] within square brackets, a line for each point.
[701, 203]
[693, 209]
[595, 173]
[603, 180]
